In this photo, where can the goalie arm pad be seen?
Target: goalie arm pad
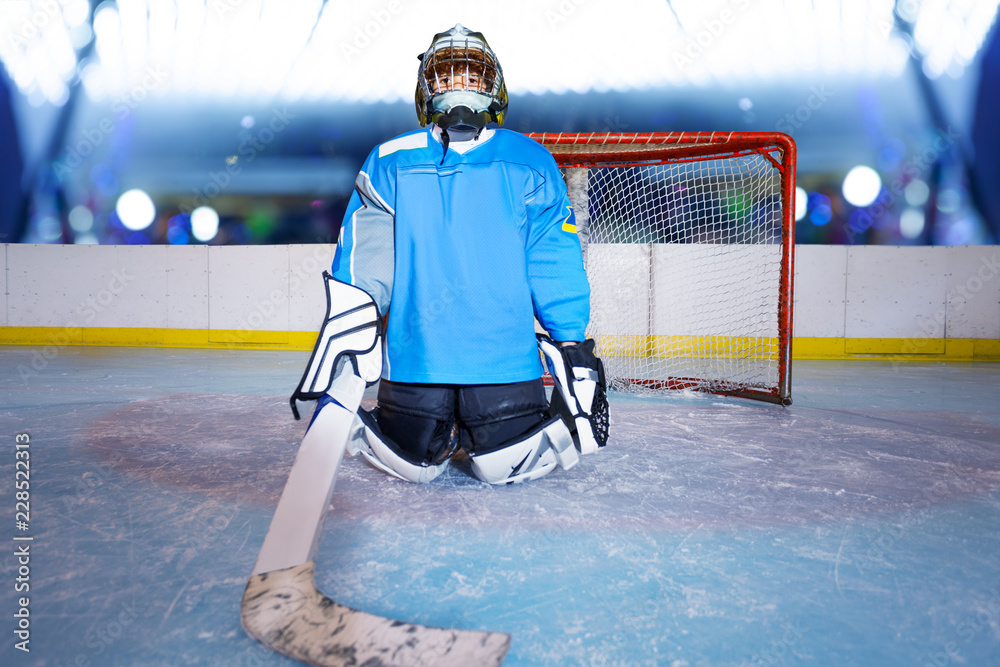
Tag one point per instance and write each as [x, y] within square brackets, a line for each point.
[351, 331]
[579, 378]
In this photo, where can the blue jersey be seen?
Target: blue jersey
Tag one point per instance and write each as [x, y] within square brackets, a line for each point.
[463, 255]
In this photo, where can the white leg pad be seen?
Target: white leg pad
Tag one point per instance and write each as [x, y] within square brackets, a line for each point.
[585, 431]
[536, 455]
[369, 444]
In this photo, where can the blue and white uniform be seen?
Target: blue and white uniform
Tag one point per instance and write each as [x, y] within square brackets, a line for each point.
[462, 253]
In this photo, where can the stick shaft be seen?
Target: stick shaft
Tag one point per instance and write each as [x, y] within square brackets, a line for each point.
[297, 525]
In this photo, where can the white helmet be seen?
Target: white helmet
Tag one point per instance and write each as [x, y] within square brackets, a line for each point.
[459, 82]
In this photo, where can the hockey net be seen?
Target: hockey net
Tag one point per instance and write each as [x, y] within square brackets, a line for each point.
[688, 242]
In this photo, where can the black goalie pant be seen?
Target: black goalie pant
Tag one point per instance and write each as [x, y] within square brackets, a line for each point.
[420, 418]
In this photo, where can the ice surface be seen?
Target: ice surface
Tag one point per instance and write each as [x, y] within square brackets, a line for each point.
[861, 525]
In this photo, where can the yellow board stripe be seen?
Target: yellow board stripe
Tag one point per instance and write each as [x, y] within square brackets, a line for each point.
[736, 347]
[898, 349]
[733, 347]
[174, 338]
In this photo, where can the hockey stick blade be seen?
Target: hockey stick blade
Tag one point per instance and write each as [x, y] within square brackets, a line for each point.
[281, 606]
[284, 611]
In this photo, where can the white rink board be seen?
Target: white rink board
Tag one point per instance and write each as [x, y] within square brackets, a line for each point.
[3, 285]
[973, 290]
[619, 281]
[165, 287]
[187, 288]
[840, 291]
[682, 289]
[894, 292]
[87, 286]
[248, 290]
[820, 291]
[306, 290]
[705, 290]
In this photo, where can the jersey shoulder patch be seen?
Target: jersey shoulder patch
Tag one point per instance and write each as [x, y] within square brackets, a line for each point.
[569, 222]
[403, 143]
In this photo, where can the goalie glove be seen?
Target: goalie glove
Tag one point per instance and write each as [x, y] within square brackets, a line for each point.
[351, 333]
[580, 396]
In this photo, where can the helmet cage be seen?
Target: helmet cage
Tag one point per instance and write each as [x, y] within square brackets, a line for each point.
[460, 76]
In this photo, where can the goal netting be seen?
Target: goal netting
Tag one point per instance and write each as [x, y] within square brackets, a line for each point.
[688, 241]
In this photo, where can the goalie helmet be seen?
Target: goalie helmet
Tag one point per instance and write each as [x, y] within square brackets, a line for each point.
[459, 82]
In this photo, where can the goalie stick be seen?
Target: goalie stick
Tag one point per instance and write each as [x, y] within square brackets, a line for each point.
[282, 608]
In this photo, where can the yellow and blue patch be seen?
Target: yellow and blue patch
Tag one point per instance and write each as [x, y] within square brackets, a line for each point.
[569, 223]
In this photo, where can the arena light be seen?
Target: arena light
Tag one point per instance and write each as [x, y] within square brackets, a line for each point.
[48, 229]
[204, 223]
[38, 48]
[861, 186]
[365, 50]
[801, 203]
[911, 223]
[916, 192]
[75, 12]
[136, 210]
[81, 219]
[949, 34]
[821, 209]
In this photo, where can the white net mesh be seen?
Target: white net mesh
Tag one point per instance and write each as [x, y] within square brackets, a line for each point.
[685, 262]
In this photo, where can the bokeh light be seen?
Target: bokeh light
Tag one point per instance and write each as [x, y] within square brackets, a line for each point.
[916, 192]
[861, 186]
[801, 203]
[136, 210]
[911, 223]
[81, 219]
[204, 223]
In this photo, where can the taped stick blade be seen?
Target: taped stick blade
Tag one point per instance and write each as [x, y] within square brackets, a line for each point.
[284, 611]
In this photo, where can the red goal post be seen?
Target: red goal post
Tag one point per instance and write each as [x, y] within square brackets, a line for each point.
[689, 246]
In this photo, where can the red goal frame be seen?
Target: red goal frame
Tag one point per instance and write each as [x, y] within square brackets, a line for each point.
[632, 149]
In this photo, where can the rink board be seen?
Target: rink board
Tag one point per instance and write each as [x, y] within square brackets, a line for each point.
[849, 301]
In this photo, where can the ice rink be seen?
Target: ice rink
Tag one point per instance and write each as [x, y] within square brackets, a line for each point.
[859, 526]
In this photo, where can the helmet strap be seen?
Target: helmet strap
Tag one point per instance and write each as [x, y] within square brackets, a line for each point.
[445, 140]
